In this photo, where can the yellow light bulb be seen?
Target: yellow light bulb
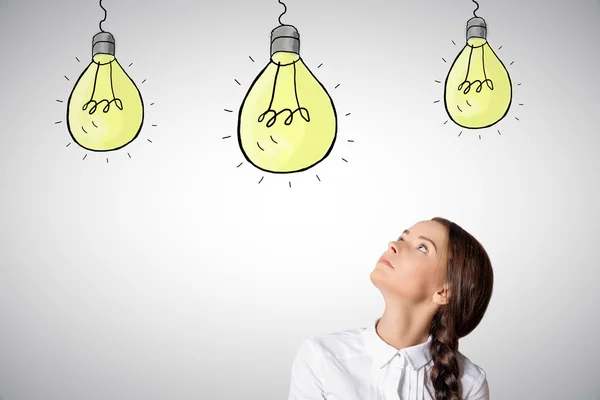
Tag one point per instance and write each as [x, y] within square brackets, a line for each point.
[287, 121]
[478, 89]
[105, 110]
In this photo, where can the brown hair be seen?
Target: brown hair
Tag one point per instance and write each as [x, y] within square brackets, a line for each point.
[471, 279]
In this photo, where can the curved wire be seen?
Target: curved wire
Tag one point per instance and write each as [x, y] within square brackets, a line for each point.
[284, 11]
[100, 24]
[477, 8]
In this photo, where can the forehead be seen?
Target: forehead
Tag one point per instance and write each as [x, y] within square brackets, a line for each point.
[431, 229]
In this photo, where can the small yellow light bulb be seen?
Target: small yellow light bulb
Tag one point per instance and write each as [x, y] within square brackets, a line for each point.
[478, 89]
[287, 121]
[105, 110]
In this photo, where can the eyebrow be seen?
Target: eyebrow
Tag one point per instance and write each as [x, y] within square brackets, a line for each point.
[422, 237]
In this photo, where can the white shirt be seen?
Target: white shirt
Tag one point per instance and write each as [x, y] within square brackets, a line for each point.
[357, 364]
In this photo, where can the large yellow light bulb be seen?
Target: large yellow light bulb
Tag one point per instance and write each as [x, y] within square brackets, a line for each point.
[105, 110]
[287, 121]
[478, 89]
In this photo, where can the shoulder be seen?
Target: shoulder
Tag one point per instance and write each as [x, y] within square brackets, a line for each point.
[473, 378]
[316, 354]
[469, 370]
[335, 344]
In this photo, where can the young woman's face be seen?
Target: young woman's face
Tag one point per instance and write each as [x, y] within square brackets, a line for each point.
[413, 267]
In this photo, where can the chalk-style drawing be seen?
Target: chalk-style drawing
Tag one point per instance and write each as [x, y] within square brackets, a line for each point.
[478, 89]
[105, 110]
[287, 121]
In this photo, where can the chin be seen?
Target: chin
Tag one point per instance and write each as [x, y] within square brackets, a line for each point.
[374, 278]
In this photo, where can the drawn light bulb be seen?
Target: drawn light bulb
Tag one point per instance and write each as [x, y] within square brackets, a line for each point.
[478, 89]
[287, 122]
[105, 110]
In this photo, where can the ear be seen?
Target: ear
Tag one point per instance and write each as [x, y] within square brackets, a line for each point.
[442, 295]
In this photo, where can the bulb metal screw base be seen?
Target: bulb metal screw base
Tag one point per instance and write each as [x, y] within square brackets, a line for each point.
[103, 43]
[476, 28]
[285, 38]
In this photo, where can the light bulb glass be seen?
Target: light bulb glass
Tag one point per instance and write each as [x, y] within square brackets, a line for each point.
[287, 121]
[478, 89]
[105, 110]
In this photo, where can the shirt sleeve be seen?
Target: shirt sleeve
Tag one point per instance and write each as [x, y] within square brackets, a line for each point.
[306, 379]
[481, 390]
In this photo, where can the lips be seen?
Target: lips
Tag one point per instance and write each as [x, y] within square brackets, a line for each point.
[385, 261]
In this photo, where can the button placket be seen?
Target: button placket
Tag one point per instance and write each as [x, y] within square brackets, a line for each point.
[403, 388]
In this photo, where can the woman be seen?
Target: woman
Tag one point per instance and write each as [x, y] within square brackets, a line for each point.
[436, 280]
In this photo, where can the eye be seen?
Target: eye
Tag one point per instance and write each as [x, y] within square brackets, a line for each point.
[418, 247]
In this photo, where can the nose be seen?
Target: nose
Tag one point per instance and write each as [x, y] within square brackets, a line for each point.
[393, 246]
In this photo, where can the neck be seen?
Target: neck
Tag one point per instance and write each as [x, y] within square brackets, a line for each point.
[402, 326]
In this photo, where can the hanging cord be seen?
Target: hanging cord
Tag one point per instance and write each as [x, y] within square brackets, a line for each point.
[284, 11]
[477, 8]
[100, 24]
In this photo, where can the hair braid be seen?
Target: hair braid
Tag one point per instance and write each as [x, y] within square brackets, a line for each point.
[444, 345]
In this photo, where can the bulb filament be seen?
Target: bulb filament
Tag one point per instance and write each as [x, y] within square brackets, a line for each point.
[467, 84]
[94, 103]
[290, 118]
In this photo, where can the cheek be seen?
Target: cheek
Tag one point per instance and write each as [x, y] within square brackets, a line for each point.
[414, 282]
[415, 278]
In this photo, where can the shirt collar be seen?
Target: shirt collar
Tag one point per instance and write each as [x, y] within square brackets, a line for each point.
[382, 353]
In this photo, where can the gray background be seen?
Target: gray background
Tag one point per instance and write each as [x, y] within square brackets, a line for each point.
[174, 275]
